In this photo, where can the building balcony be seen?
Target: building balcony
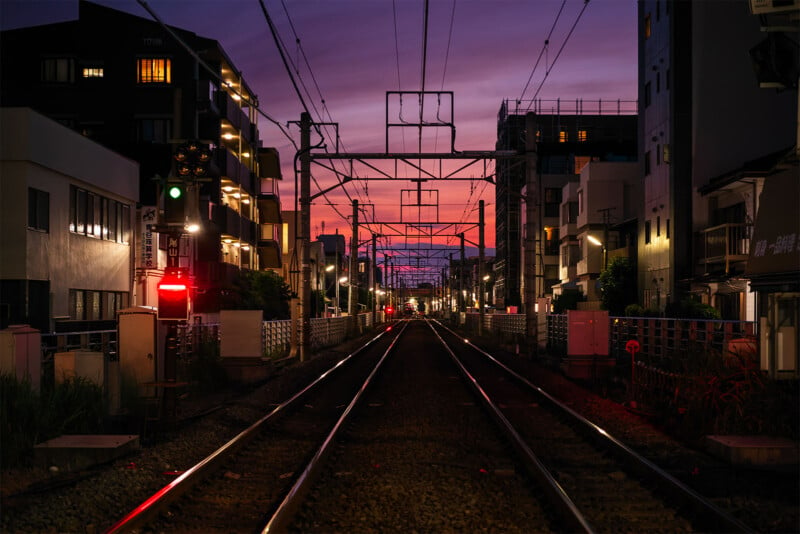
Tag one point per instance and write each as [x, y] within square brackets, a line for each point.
[568, 273]
[233, 168]
[591, 265]
[228, 220]
[269, 247]
[228, 109]
[722, 246]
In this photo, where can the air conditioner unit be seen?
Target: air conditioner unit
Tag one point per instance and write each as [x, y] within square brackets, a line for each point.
[762, 7]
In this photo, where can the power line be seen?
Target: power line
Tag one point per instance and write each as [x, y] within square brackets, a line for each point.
[544, 47]
[214, 73]
[547, 73]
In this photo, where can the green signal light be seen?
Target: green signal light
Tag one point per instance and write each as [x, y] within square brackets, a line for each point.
[175, 192]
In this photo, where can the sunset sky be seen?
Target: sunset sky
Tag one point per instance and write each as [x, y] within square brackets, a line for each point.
[359, 49]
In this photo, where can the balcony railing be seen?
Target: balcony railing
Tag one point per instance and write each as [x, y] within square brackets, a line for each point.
[725, 244]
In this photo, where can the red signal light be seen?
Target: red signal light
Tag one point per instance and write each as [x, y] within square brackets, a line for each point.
[389, 310]
[173, 299]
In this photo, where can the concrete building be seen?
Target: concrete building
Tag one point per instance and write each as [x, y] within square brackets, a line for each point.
[598, 223]
[709, 137]
[132, 86]
[67, 209]
[566, 135]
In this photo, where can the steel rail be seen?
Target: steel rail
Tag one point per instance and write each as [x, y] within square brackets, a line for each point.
[283, 515]
[707, 514]
[149, 509]
[566, 508]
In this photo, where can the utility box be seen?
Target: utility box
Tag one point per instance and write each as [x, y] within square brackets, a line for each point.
[21, 353]
[242, 345]
[587, 345]
[80, 363]
[137, 348]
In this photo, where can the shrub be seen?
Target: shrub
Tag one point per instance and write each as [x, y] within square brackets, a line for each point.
[634, 310]
[568, 300]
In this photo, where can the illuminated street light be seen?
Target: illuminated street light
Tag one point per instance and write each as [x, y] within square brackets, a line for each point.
[594, 241]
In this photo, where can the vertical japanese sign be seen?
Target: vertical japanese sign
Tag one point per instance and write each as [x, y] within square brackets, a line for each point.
[148, 251]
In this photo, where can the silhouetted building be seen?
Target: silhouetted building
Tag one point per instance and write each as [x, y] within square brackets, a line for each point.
[126, 83]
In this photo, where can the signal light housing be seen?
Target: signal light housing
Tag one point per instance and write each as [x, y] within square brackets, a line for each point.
[173, 298]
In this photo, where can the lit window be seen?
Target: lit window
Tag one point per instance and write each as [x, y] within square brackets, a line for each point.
[153, 70]
[581, 136]
[647, 26]
[562, 136]
[93, 72]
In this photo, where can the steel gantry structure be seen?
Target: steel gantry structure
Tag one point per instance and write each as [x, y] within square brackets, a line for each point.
[366, 166]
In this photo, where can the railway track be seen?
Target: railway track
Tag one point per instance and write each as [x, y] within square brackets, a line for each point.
[395, 441]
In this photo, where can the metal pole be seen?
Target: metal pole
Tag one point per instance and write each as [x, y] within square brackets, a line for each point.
[336, 281]
[352, 290]
[305, 232]
[462, 307]
[481, 260]
[373, 282]
[531, 218]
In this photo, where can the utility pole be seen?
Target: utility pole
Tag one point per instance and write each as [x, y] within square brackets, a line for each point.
[352, 290]
[531, 218]
[481, 259]
[305, 233]
[461, 297]
[373, 283]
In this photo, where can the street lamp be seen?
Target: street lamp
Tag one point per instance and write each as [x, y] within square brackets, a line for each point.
[594, 241]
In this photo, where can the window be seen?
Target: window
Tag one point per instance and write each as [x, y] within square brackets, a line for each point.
[572, 212]
[666, 228]
[100, 217]
[658, 226]
[665, 155]
[581, 162]
[647, 28]
[580, 201]
[647, 232]
[647, 163]
[38, 210]
[153, 70]
[551, 242]
[154, 130]
[563, 136]
[582, 136]
[658, 154]
[58, 70]
[86, 305]
[92, 72]
[647, 98]
[552, 201]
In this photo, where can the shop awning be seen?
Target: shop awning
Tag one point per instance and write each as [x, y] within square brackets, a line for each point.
[774, 261]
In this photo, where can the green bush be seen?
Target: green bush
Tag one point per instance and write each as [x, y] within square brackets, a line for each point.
[691, 308]
[634, 310]
[26, 417]
[568, 300]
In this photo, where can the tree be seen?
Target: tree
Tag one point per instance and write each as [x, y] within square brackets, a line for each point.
[260, 290]
[618, 286]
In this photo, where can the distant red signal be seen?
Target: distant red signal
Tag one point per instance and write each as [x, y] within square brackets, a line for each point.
[389, 310]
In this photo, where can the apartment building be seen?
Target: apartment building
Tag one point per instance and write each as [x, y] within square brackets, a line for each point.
[567, 136]
[130, 85]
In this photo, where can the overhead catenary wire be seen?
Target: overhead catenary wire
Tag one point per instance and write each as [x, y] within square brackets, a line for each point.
[566, 40]
[545, 46]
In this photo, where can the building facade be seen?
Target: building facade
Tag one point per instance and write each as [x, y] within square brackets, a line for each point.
[127, 83]
[567, 136]
[65, 203]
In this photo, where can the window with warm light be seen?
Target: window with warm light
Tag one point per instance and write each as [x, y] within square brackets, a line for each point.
[647, 26]
[153, 70]
[582, 136]
[93, 72]
[563, 137]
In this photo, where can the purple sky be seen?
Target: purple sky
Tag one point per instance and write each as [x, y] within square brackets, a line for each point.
[350, 45]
